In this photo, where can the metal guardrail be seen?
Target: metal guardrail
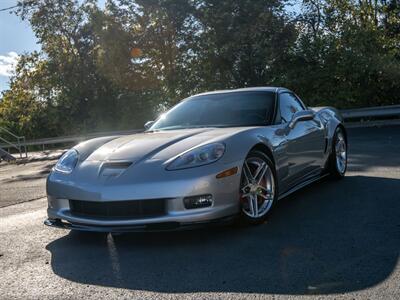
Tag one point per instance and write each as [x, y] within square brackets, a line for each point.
[75, 138]
[19, 142]
[348, 114]
[371, 112]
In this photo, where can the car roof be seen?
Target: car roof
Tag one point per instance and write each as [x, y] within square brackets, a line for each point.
[250, 89]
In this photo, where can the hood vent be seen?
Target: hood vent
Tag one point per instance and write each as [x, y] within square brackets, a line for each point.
[110, 170]
[117, 165]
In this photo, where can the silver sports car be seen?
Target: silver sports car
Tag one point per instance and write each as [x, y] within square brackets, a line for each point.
[211, 158]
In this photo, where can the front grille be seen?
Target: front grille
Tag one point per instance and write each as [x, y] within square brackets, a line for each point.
[119, 209]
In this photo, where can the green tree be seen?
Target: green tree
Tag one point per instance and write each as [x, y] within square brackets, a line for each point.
[24, 108]
[115, 68]
[68, 43]
[344, 56]
[242, 43]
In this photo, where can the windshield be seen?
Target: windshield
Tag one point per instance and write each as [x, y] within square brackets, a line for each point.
[220, 110]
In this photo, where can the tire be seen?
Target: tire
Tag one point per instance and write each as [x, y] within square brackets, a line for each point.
[338, 158]
[258, 188]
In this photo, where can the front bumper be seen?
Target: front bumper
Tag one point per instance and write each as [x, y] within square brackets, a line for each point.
[172, 186]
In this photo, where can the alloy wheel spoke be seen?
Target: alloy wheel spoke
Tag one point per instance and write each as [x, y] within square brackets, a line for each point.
[246, 196]
[337, 149]
[266, 197]
[247, 173]
[267, 193]
[253, 204]
[258, 171]
[263, 172]
[250, 199]
[264, 189]
[244, 190]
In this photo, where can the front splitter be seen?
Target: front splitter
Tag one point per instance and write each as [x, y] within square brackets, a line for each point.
[153, 227]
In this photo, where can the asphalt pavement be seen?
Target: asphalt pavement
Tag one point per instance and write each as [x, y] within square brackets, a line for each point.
[339, 239]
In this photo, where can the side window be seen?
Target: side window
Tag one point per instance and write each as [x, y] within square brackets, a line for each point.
[288, 106]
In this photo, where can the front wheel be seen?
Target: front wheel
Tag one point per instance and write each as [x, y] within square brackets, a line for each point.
[258, 190]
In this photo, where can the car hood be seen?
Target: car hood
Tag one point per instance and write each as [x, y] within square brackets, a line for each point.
[160, 145]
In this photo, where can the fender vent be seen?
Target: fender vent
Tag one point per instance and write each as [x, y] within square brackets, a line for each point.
[326, 145]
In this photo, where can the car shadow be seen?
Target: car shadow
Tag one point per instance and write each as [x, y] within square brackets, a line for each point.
[331, 237]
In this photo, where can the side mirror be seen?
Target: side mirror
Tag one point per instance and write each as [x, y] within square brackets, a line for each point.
[303, 115]
[148, 124]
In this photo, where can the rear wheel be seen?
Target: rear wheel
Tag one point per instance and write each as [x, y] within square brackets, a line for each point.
[258, 188]
[338, 157]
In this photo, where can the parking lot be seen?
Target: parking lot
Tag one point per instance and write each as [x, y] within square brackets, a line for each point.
[335, 238]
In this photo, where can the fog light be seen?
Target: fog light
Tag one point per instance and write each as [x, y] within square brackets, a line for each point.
[198, 201]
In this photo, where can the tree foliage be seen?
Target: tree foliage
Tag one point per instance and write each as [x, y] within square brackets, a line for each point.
[346, 54]
[118, 66]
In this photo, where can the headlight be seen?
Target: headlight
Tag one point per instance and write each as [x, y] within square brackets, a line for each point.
[67, 162]
[200, 156]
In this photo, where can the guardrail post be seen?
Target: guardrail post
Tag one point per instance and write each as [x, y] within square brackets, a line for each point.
[19, 147]
[26, 149]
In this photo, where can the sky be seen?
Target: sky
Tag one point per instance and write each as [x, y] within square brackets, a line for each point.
[16, 37]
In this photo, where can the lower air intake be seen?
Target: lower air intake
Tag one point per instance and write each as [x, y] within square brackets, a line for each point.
[119, 209]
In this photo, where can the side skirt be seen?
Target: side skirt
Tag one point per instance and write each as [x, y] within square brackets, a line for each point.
[301, 185]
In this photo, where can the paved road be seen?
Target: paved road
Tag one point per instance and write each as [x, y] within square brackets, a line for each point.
[337, 239]
[23, 182]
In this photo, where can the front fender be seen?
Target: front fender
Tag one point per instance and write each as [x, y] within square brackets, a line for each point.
[331, 118]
